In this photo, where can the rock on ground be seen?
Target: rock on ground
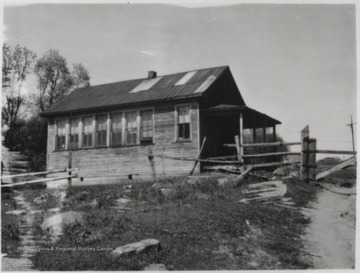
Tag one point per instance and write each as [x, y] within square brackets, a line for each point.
[155, 267]
[54, 224]
[136, 248]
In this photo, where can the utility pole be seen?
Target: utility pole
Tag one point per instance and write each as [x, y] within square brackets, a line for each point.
[352, 131]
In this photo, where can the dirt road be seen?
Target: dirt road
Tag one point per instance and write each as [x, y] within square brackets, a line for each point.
[331, 236]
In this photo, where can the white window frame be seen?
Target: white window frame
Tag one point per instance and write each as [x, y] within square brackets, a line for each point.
[106, 130]
[122, 128]
[153, 124]
[92, 133]
[56, 133]
[177, 139]
[81, 118]
[79, 132]
[138, 124]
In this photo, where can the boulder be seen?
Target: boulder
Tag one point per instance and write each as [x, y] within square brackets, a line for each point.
[122, 201]
[53, 210]
[166, 192]
[16, 212]
[136, 248]
[223, 181]
[155, 267]
[94, 203]
[39, 200]
[54, 224]
[281, 171]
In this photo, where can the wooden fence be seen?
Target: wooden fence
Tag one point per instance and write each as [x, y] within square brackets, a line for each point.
[307, 160]
[307, 155]
[72, 173]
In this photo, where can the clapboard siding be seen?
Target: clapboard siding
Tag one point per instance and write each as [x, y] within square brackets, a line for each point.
[124, 161]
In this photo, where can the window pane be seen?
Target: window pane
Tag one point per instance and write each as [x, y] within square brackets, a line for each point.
[60, 142]
[101, 129]
[116, 132]
[183, 122]
[116, 122]
[87, 140]
[61, 127]
[101, 123]
[88, 125]
[87, 131]
[116, 138]
[60, 134]
[183, 114]
[131, 120]
[131, 128]
[147, 125]
[74, 126]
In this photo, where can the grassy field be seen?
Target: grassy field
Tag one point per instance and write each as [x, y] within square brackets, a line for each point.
[201, 226]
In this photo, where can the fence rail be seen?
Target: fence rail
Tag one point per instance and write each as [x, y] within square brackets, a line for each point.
[336, 152]
[271, 154]
[39, 173]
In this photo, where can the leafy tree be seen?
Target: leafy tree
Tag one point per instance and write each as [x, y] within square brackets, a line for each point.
[55, 79]
[17, 65]
[80, 76]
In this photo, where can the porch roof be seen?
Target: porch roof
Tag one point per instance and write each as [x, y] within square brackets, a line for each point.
[251, 117]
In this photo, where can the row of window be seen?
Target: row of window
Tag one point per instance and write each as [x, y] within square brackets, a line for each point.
[115, 129]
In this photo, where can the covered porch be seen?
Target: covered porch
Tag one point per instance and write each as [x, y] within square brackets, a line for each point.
[220, 124]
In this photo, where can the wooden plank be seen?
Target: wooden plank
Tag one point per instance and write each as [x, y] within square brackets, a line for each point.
[196, 162]
[37, 181]
[336, 152]
[223, 157]
[195, 159]
[349, 162]
[271, 154]
[273, 164]
[242, 175]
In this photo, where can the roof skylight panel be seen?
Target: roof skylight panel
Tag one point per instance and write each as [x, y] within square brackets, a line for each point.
[186, 78]
[145, 85]
[205, 85]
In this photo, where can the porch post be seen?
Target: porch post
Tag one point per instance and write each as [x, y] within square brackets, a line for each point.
[254, 135]
[274, 133]
[241, 135]
[264, 134]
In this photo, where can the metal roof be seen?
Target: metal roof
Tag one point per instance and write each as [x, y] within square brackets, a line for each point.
[252, 118]
[133, 91]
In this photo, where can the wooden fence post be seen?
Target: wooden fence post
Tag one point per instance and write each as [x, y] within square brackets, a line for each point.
[199, 156]
[304, 170]
[69, 166]
[312, 159]
[239, 149]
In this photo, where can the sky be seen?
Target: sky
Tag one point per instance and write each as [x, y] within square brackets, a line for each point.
[296, 63]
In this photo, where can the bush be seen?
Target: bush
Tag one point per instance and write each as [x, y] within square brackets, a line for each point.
[30, 138]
